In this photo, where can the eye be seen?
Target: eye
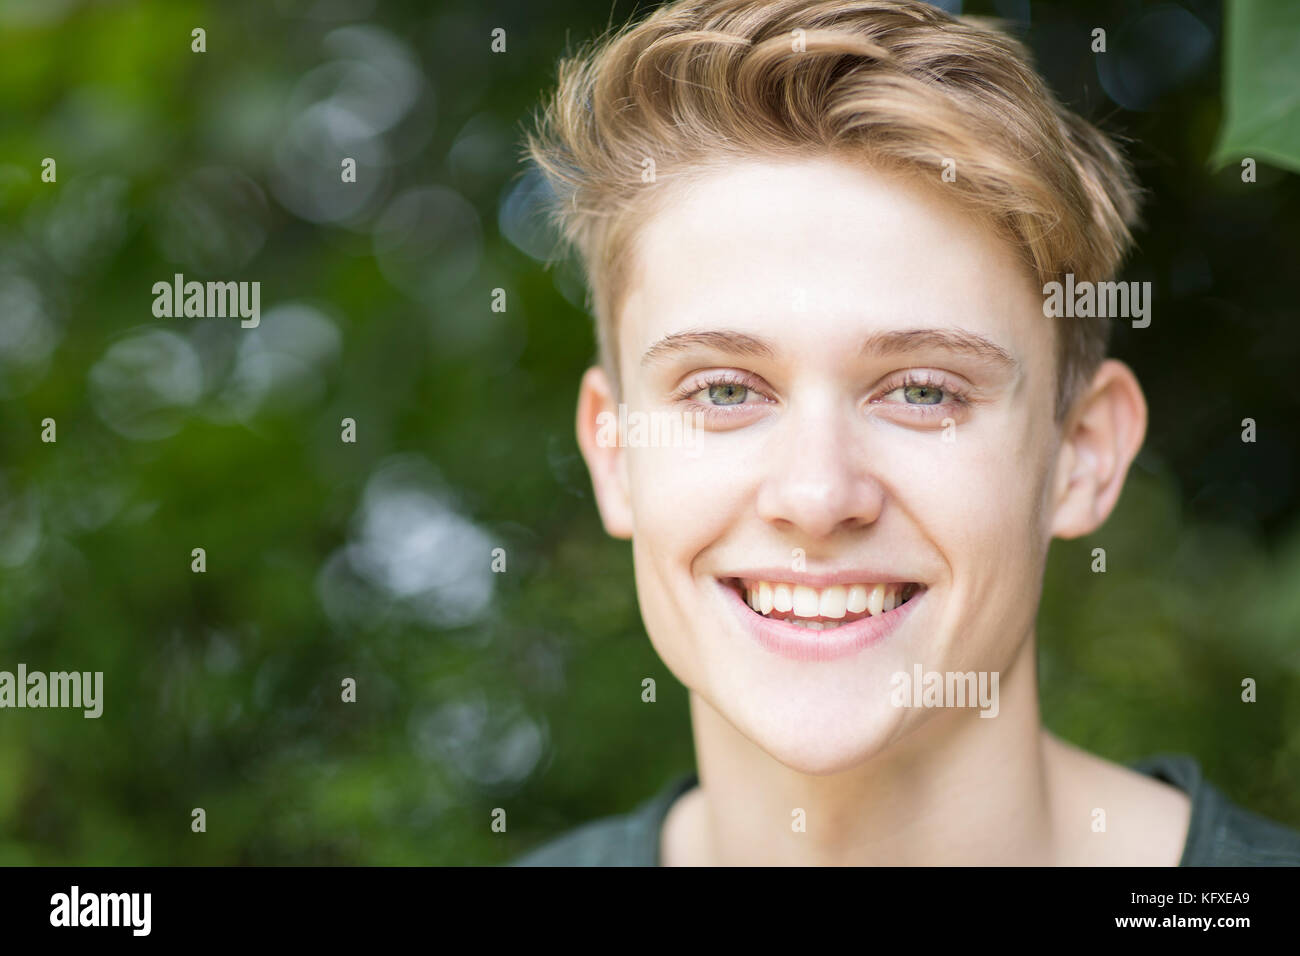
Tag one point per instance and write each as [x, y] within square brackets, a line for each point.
[720, 393]
[922, 394]
[727, 393]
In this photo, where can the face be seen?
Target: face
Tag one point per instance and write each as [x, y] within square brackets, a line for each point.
[870, 485]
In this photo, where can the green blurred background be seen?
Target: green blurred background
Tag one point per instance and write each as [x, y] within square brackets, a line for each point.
[371, 560]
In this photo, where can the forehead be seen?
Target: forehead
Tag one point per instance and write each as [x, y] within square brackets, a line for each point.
[841, 248]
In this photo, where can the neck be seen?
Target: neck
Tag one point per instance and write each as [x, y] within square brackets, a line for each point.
[958, 790]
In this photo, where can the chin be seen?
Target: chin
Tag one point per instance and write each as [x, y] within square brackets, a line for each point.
[817, 737]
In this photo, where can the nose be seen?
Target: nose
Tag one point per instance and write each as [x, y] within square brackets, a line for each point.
[817, 479]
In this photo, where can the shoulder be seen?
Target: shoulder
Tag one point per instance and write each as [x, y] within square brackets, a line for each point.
[610, 841]
[1133, 818]
[625, 839]
[1242, 838]
[1162, 811]
[1222, 833]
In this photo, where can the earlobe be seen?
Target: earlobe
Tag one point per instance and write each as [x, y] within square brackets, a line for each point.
[1103, 436]
[598, 438]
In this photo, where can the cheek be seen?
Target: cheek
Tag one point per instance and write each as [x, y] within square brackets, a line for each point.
[978, 492]
[683, 501]
[979, 502]
[988, 506]
[684, 497]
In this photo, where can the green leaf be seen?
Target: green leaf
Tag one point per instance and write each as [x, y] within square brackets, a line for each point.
[1261, 84]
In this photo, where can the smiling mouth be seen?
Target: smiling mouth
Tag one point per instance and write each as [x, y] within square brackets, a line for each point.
[822, 609]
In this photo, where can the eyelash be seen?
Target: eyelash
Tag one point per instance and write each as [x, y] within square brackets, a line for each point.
[708, 380]
[956, 396]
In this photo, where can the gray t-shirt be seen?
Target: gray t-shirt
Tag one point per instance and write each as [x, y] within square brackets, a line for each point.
[1220, 832]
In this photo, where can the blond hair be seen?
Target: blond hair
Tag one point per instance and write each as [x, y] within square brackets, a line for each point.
[898, 83]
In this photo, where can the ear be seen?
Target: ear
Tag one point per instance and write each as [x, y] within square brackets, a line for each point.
[606, 459]
[1102, 437]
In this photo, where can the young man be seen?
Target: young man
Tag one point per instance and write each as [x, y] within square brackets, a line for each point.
[819, 232]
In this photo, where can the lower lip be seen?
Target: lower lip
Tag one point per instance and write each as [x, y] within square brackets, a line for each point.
[801, 644]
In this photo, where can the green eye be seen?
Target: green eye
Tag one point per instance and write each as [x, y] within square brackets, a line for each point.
[922, 394]
[727, 394]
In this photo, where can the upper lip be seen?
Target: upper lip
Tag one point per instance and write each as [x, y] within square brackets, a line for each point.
[822, 579]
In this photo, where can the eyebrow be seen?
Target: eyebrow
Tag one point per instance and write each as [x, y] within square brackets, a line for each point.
[893, 342]
[720, 340]
[960, 341]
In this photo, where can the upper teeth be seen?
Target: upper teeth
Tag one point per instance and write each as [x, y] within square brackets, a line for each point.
[833, 602]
